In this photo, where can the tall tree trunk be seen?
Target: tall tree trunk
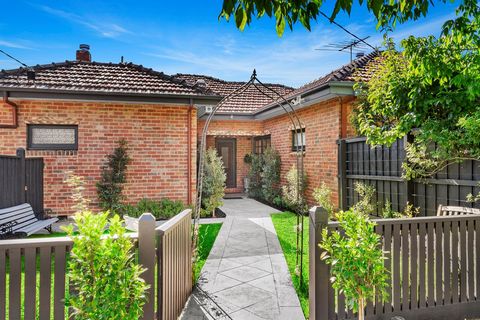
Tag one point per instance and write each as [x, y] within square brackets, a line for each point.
[361, 309]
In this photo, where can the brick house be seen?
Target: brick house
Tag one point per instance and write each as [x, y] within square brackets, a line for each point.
[72, 114]
[252, 121]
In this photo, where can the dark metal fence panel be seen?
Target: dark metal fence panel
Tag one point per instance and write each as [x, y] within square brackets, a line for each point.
[381, 167]
[21, 180]
[34, 183]
[11, 192]
[433, 266]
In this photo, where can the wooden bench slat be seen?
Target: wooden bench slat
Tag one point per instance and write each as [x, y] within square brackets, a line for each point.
[453, 210]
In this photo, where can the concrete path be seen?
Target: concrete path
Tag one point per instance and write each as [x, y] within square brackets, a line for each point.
[246, 275]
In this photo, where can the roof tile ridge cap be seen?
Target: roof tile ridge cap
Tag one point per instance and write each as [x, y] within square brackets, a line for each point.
[228, 81]
[206, 77]
[171, 78]
[50, 65]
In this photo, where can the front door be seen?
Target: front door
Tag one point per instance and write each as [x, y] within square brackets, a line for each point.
[226, 148]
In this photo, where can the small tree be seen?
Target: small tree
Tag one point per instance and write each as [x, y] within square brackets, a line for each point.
[214, 178]
[103, 272]
[294, 192]
[356, 260]
[270, 174]
[110, 187]
[77, 183]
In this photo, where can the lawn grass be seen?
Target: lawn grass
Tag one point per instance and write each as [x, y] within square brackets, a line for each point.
[207, 234]
[285, 227]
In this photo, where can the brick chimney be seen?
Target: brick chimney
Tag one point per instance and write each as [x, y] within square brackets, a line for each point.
[83, 54]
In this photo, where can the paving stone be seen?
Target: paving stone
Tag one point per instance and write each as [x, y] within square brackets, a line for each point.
[220, 283]
[245, 273]
[287, 297]
[244, 315]
[266, 283]
[243, 295]
[227, 264]
[291, 313]
[265, 265]
[267, 309]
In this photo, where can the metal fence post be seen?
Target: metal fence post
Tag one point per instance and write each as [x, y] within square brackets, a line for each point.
[342, 174]
[146, 257]
[319, 271]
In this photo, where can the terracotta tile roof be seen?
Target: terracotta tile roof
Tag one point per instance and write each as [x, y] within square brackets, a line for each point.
[349, 72]
[247, 102]
[107, 78]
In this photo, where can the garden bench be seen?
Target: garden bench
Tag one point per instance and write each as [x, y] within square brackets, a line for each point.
[20, 220]
[455, 211]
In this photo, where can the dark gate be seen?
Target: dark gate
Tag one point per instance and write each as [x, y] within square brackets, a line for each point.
[381, 167]
[21, 180]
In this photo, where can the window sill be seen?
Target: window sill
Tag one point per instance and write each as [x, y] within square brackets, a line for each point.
[294, 153]
[67, 153]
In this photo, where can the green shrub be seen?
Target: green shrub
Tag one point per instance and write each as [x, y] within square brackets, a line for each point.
[255, 176]
[103, 272]
[365, 203]
[110, 186]
[323, 197]
[294, 192]
[214, 178]
[163, 209]
[270, 174]
[408, 212]
[356, 259]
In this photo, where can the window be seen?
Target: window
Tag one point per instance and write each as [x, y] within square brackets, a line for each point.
[260, 144]
[52, 137]
[298, 140]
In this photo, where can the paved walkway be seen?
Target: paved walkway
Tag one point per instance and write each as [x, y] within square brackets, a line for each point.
[246, 275]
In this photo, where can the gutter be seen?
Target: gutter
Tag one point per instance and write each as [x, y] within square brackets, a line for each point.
[189, 152]
[14, 107]
[108, 96]
[329, 84]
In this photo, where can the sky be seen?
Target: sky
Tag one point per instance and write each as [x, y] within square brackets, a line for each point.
[187, 37]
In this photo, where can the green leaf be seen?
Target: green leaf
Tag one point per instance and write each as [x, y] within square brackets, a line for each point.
[241, 18]
[280, 25]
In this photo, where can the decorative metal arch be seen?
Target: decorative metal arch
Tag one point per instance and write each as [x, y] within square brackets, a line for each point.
[297, 126]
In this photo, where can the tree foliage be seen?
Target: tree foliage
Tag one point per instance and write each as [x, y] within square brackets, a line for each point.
[294, 191]
[214, 178]
[270, 174]
[255, 176]
[103, 272]
[288, 13]
[356, 259]
[110, 186]
[264, 175]
[323, 197]
[431, 90]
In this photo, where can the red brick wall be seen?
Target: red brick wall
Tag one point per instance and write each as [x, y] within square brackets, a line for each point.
[157, 137]
[242, 131]
[322, 129]
[6, 114]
